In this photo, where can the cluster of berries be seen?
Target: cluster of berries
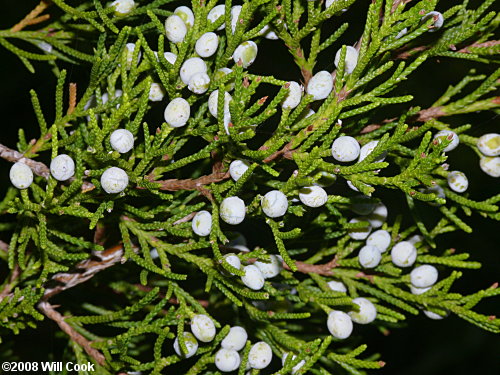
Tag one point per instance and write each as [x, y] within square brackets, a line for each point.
[62, 167]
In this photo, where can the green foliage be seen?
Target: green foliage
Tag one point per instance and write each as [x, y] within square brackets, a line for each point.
[164, 273]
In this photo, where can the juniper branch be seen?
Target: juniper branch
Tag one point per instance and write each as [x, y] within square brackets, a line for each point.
[51, 313]
[51, 237]
[33, 17]
[39, 168]
[325, 269]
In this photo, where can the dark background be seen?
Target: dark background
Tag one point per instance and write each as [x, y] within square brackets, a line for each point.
[449, 346]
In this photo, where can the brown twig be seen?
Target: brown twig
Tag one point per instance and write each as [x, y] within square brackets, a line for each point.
[306, 74]
[218, 165]
[489, 43]
[285, 152]
[370, 128]
[428, 114]
[185, 219]
[175, 184]
[35, 145]
[403, 55]
[36, 20]
[39, 168]
[422, 116]
[84, 270]
[8, 287]
[100, 234]
[51, 313]
[32, 17]
[14, 156]
[368, 277]
[72, 98]
[191, 184]
[325, 269]
[396, 3]
[4, 246]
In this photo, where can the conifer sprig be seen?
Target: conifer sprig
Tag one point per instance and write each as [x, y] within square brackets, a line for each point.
[142, 247]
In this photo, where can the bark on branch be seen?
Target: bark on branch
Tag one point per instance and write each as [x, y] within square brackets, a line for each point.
[33, 16]
[199, 183]
[14, 156]
[191, 184]
[8, 287]
[38, 168]
[422, 116]
[489, 43]
[51, 313]
[325, 269]
[84, 270]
